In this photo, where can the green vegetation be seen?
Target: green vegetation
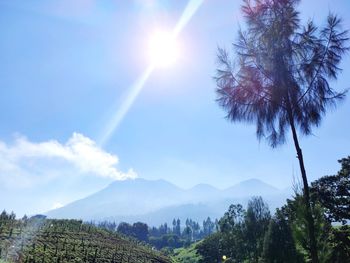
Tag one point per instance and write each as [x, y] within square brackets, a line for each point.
[254, 236]
[248, 234]
[280, 78]
[164, 237]
[332, 192]
[42, 240]
[186, 255]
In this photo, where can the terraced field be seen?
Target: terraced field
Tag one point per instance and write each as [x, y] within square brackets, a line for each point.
[59, 241]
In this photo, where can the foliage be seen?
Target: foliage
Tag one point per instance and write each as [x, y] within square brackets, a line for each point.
[279, 245]
[251, 235]
[333, 192]
[256, 222]
[280, 77]
[177, 227]
[167, 241]
[294, 212]
[186, 255]
[137, 230]
[281, 68]
[210, 249]
[339, 240]
[231, 218]
[165, 237]
[46, 240]
[241, 234]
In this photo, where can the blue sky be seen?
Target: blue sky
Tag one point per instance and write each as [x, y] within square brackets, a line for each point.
[66, 67]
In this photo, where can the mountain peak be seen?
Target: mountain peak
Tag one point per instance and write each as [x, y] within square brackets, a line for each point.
[252, 187]
[255, 181]
[139, 198]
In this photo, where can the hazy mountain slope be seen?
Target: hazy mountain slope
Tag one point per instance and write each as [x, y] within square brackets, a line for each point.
[251, 187]
[129, 197]
[159, 201]
[204, 193]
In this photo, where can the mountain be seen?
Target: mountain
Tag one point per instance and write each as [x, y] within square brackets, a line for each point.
[252, 187]
[121, 198]
[158, 201]
[203, 193]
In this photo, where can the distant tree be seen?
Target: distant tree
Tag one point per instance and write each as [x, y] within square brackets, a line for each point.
[279, 245]
[140, 231]
[137, 230]
[4, 215]
[217, 226]
[209, 249]
[208, 227]
[110, 226]
[232, 230]
[169, 240]
[178, 227]
[294, 212]
[154, 232]
[163, 229]
[188, 233]
[174, 225]
[280, 77]
[333, 192]
[340, 244]
[12, 216]
[125, 229]
[196, 231]
[232, 217]
[241, 232]
[256, 223]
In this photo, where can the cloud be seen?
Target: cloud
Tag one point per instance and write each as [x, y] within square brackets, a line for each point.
[24, 161]
[56, 205]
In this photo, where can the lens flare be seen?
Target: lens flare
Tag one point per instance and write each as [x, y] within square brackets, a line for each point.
[163, 51]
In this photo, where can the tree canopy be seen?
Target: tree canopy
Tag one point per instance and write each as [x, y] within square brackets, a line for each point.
[281, 67]
[280, 77]
[333, 192]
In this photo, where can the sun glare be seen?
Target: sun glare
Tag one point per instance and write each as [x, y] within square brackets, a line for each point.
[163, 49]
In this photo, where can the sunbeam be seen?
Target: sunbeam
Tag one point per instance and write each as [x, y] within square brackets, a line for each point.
[125, 106]
[188, 13]
[136, 88]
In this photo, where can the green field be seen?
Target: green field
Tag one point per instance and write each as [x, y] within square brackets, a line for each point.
[186, 255]
[43, 240]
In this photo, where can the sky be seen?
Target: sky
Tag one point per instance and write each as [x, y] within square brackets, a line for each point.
[68, 68]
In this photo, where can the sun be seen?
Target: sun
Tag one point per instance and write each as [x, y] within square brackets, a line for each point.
[163, 49]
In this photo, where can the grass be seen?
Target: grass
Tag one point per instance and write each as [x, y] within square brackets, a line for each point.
[186, 255]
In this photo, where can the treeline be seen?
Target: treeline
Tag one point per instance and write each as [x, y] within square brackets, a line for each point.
[254, 235]
[165, 236]
[177, 236]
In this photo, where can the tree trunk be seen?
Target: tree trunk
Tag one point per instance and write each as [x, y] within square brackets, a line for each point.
[309, 217]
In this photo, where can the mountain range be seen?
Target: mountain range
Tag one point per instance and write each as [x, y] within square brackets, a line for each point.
[158, 201]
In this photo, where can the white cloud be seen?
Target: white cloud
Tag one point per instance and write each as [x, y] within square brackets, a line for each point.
[56, 205]
[24, 161]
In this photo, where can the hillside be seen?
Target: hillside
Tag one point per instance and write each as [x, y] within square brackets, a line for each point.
[158, 201]
[43, 240]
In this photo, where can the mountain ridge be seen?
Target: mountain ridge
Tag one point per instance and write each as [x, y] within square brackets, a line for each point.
[154, 201]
